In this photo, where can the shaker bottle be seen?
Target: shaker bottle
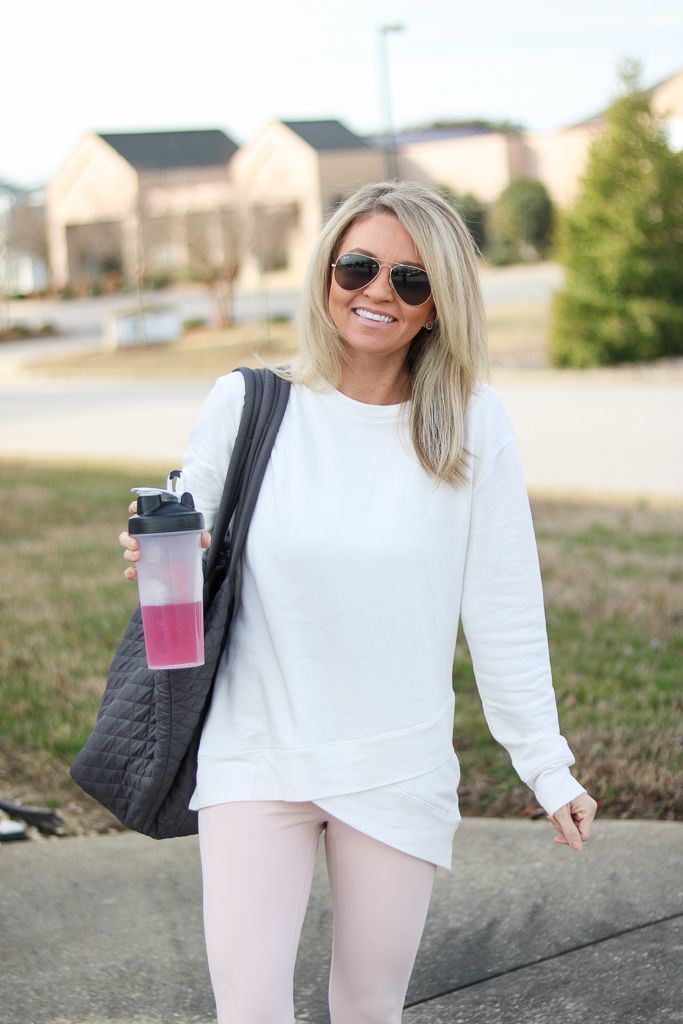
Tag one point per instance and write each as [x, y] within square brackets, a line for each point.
[170, 580]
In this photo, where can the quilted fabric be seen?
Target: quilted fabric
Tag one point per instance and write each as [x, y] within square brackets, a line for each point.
[140, 761]
[148, 729]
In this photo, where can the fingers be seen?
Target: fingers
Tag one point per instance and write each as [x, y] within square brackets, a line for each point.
[131, 554]
[206, 539]
[583, 810]
[567, 828]
[573, 822]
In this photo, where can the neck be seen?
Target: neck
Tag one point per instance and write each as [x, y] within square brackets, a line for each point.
[386, 384]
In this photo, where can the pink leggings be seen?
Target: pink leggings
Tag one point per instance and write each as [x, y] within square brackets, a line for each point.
[258, 858]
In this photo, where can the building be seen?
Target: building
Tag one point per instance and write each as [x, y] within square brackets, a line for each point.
[484, 163]
[287, 180]
[141, 204]
[190, 203]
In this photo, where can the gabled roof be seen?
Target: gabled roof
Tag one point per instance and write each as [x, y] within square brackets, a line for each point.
[164, 151]
[431, 135]
[322, 135]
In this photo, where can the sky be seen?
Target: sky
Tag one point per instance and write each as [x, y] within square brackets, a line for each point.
[79, 65]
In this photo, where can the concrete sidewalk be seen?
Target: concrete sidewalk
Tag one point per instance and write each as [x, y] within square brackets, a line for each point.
[620, 435]
[108, 929]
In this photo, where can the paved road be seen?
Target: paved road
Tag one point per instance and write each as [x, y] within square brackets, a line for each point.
[80, 316]
[620, 436]
[81, 321]
[108, 930]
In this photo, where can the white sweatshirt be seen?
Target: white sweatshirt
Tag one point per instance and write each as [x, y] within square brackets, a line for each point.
[337, 683]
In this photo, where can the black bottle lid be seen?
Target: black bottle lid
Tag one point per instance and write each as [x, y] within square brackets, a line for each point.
[162, 511]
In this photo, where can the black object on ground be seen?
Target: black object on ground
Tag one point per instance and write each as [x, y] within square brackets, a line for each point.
[48, 822]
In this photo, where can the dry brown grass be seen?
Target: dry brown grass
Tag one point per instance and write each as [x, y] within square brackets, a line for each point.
[613, 584]
[201, 354]
[613, 579]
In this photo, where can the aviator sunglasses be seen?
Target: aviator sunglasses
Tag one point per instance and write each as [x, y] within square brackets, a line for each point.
[353, 271]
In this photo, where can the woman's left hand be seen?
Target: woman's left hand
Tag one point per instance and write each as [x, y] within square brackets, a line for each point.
[573, 822]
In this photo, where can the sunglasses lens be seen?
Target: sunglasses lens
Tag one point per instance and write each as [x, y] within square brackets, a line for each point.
[354, 271]
[411, 284]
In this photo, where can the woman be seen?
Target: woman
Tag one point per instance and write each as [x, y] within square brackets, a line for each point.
[393, 504]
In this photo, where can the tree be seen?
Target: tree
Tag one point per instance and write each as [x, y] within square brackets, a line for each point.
[472, 211]
[522, 221]
[622, 243]
[213, 241]
[27, 232]
[476, 125]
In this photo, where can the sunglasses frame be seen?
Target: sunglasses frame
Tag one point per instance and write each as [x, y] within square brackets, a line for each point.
[380, 264]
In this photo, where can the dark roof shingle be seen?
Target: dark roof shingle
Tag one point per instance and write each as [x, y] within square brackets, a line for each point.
[323, 135]
[157, 151]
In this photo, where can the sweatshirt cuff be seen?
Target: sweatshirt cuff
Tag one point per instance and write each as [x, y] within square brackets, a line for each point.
[556, 787]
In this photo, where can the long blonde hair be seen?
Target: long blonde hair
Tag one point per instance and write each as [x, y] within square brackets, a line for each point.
[444, 363]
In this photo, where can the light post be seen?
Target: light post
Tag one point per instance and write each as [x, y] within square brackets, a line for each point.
[390, 140]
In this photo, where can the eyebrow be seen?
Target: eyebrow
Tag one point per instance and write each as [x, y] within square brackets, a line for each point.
[406, 263]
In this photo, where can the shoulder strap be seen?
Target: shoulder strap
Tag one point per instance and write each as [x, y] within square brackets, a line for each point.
[272, 409]
[265, 400]
[233, 479]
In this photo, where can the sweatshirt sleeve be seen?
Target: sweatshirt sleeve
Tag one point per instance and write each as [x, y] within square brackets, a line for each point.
[503, 618]
[212, 438]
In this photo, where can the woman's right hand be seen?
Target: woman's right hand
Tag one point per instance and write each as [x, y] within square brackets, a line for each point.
[132, 548]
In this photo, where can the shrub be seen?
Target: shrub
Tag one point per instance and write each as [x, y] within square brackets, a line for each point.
[193, 323]
[622, 244]
[521, 222]
[157, 280]
[472, 211]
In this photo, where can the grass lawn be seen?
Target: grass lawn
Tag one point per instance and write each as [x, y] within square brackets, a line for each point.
[614, 597]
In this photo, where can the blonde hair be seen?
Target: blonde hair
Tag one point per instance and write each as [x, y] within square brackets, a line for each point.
[444, 363]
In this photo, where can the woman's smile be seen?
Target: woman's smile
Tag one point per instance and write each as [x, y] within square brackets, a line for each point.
[373, 316]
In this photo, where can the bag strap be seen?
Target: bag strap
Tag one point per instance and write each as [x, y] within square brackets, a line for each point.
[235, 473]
[271, 411]
[265, 401]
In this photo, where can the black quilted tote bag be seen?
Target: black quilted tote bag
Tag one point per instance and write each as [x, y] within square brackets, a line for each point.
[140, 761]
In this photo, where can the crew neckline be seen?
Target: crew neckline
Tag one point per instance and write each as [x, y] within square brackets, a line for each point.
[364, 410]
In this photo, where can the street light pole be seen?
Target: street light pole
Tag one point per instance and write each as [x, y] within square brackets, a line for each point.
[390, 139]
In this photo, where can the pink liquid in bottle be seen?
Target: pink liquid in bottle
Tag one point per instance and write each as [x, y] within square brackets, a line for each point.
[174, 634]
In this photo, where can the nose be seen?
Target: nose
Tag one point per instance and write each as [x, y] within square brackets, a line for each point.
[380, 286]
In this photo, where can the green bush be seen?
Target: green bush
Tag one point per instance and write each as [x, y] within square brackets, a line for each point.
[193, 323]
[472, 211]
[157, 280]
[521, 222]
[622, 244]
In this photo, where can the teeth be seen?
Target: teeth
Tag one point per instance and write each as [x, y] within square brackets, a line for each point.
[374, 316]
